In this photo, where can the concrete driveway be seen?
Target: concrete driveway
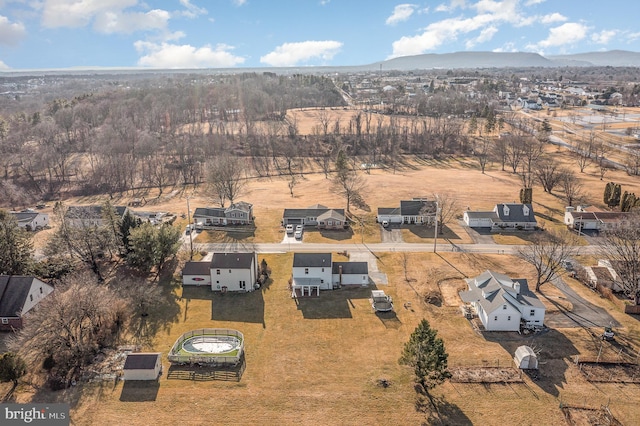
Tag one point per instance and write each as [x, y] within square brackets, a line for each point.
[584, 313]
[391, 234]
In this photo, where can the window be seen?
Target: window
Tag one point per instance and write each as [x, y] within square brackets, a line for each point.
[5, 320]
[306, 271]
[229, 270]
[217, 271]
[31, 297]
[495, 318]
[243, 284]
[322, 269]
[504, 306]
[321, 281]
[532, 313]
[509, 318]
[40, 290]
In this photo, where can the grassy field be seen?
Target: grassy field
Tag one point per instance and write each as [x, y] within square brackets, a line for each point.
[322, 360]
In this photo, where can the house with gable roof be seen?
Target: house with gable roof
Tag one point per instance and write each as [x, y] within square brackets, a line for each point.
[240, 213]
[225, 272]
[31, 220]
[502, 303]
[313, 272]
[418, 211]
[317, 215]
[18, 295]
[503, 216]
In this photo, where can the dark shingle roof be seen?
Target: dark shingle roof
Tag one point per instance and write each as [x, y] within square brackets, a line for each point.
[232, 260]
[141, 361]
[311, 260]
[417, 207]
[516, 212]
[14, 290]
[308, 212]
[196, 268]
[358, 268]
[208, 212]
[388, 210]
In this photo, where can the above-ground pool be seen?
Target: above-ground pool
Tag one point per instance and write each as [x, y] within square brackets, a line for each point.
[211, 344]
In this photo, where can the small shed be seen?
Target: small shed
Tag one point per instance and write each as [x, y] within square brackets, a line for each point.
[525, 358]
[142, 366]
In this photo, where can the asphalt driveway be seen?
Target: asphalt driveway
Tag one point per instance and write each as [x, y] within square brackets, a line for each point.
[391, 234]
[583, 314]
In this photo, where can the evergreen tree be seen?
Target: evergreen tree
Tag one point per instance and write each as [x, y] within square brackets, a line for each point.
[425, 353]
[612, 192]
[526, 195]
[16, 247]
[12, 367]
[127, 223]
[151, 246]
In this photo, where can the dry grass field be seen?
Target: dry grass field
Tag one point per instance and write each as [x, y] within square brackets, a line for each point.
[321, 360]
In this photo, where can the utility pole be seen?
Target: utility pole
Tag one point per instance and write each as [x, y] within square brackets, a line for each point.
[435, 236]
[190, 230]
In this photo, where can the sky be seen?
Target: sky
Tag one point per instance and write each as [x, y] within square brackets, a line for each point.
[53, 34]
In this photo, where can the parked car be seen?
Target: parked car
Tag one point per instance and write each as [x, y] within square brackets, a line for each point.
[299, 228]
[385, 223]
[298, 235]
[289, 229]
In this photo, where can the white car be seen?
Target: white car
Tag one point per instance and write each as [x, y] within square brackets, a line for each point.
[385, 223]
[298, 235]
[299, 228]
[289, 229]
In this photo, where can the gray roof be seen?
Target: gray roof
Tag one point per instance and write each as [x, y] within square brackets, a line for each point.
[482, 215]
[388, 211]
[196, 268]
[489, 290]
[232, 260]
[356, 268]
[309, 212]
[24, 216]
[331, 214]
[208, 212]
[91, 212]
[311, 260]
[417, 207]
[516, 212]
[14, 290]
[241, 205]
[141, 361]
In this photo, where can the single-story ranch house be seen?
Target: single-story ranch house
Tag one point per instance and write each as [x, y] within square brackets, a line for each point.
[581, 218]
[316, 271]
[503, 216]
[225, 272]
[416, 211]
[240, 213]
[30, 220]
[503, 304]
[18, 295]
[79, 216]
[316, 215]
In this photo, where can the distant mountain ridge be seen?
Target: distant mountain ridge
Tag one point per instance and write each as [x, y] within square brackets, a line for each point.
[616, 58]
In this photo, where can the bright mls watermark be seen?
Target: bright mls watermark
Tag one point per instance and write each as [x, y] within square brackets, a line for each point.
[34, 414]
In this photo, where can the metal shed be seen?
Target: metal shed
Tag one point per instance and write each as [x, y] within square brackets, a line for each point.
[525, 358]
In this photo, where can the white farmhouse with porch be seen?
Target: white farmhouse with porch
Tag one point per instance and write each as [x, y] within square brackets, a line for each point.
[417, 211]
[503, 216]
[502, 303]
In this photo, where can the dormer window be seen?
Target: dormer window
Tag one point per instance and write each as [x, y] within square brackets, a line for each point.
[505, 210]
[525, 210]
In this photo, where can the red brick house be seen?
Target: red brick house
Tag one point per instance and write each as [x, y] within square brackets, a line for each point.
[18, 295]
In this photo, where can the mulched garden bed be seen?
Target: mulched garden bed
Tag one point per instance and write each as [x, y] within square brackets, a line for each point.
[610, 372]
[486, 375]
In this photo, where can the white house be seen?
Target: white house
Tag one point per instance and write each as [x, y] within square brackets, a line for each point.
[350, 273]
[503, 216]
[225, 272]
[416, 211]
[240, 213]
[234, 271]
[30, 220]
[316, 215]
[581, 219]
[311, 272]
[79, 216]
[142, 366]
[18, 295]
[503, 304]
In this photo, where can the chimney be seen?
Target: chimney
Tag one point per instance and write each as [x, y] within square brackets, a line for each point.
[516, 287]
[340, 272]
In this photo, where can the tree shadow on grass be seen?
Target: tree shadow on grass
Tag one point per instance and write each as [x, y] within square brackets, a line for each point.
[423, 231]
[438, 411]
[139, 391]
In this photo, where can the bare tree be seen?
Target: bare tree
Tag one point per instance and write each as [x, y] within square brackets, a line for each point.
[547, 254]
[482, 152]
[621, 246]
[448, 208]
[347, 182]
[573, 189]
[226, 178]
[549, 174]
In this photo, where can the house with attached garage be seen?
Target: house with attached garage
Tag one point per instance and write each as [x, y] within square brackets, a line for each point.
[582, 218]
[240, 213]
[502, 303]
[31, 220]
[317, 215]
[503, 216]
[419, 211]
[18, 295]
[82, 216]
[313, 272]
[225, 272]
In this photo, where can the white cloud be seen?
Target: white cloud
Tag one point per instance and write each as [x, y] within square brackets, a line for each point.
[192, 11]
[127, 23]
[532, 2]
[485, 35]
[401, 12]
[553, 18]
[604, 36]
[4, 66]
[78, 13]
[290, 54]
[507, 47]
[568, 33]
[239, 2]
[166, 55]
[453, 5]
[11, 32]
